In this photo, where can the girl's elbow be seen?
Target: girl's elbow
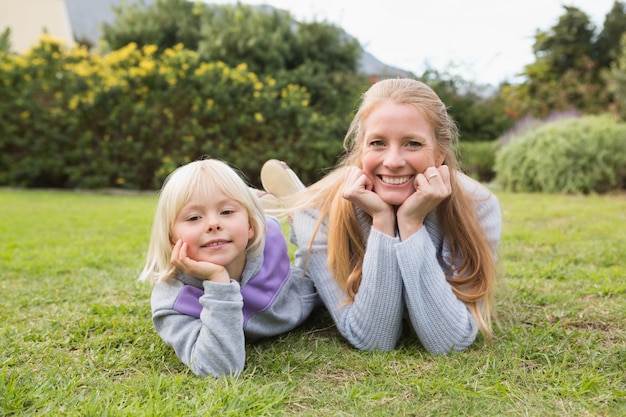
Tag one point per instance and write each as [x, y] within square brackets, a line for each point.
[217, 368]
[216, 372]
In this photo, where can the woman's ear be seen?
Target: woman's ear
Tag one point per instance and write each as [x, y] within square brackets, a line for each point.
[440, 158]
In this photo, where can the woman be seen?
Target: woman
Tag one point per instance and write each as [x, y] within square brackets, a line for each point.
[397, 230]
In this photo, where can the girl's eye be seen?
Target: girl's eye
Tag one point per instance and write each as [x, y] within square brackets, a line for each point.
[227, 212]
[193, 218]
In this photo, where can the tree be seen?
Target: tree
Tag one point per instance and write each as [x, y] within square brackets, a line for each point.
[5, 41]
[262, 37]
[318, 56]
[268, 42]
[479, 114]
[607, 45]
[617, 79]
[566, 73]
[165, 23]
[566, 45]
[325, 61]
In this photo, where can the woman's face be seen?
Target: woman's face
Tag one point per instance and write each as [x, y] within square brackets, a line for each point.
[399, 143]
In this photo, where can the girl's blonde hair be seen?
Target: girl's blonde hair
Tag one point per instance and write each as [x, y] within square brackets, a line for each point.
[473, 280]
[196, 179]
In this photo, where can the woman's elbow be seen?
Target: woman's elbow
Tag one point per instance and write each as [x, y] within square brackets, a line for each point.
[443, 347]
[374, 344]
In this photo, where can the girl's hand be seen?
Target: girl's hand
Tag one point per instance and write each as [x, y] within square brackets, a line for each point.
[431, 188]
[199, 269]
[358, 190]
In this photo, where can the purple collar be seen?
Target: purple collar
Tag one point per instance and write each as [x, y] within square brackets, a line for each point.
[260, 291]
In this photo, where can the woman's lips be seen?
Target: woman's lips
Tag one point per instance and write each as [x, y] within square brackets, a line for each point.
[395, 180]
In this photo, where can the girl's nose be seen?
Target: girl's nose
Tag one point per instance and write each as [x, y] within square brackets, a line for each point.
[213, 224]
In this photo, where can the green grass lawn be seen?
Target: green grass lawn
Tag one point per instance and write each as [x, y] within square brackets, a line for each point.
[76, 336]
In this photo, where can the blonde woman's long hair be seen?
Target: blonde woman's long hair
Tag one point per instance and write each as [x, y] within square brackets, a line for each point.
[196, 179]
[472, 280]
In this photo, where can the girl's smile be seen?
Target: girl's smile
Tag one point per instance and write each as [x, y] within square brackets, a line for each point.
[216, 231]
[215, 244]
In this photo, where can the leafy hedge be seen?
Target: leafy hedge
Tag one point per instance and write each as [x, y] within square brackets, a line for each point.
[583, 155]
[478, 159]
[126, 119]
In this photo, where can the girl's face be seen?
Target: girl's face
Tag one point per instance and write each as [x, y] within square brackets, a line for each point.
[399, 143]
[217, 231]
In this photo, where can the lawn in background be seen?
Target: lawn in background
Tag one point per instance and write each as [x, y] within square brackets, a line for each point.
[76, 336]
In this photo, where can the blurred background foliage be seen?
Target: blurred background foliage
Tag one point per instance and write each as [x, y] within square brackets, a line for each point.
[572, 155]
[178, 80]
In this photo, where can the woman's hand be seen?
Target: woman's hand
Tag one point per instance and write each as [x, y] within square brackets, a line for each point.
[431, 188]
[199, 269]
[358, 190]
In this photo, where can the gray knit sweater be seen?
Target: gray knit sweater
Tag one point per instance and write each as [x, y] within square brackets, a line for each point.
[208, 323]
[399, 279]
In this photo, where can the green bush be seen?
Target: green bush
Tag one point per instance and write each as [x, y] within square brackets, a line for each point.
[478, 159]
[33, 140]
[72, 119]
[583, 155]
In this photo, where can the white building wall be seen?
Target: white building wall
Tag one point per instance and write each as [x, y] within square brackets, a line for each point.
[29, 19]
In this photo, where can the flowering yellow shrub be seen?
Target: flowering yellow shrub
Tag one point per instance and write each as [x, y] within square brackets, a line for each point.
[72, 118]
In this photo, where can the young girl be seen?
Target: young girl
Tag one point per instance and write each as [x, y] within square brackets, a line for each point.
[220, 269]
[396, 230]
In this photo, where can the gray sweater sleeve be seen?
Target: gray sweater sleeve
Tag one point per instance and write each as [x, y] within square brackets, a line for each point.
[374, 319]
[441, 321]
[214, 344]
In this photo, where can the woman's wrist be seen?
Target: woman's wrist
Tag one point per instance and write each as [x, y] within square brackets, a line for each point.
[409, 225]
[384, 223]
[409, 228]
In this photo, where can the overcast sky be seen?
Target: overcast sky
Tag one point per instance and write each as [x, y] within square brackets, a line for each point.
[488, 41]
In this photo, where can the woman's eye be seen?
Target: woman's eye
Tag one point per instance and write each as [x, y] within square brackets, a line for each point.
[413, 144]
[377, 143]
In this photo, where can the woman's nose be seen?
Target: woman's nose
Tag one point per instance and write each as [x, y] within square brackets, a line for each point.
[394, 159]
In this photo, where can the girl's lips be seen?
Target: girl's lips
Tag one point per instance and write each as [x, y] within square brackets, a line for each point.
[215, 243]
[395, 180]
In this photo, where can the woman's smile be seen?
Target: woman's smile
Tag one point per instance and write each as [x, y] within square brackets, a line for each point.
[395, 180]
